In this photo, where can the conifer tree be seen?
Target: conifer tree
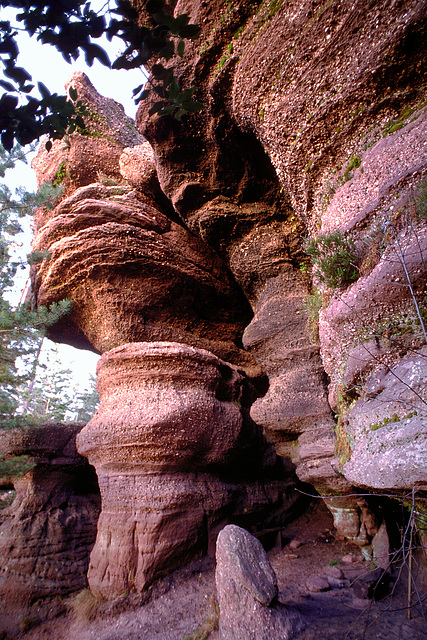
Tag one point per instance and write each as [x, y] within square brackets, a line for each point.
[86, 402]
[21, 328]
[50, 393]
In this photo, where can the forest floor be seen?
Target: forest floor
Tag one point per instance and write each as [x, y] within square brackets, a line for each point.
[181, 606]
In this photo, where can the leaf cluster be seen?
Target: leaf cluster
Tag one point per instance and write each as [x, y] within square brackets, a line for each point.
[174, 101]
[334, 259]
[71, 26]
[14, 467]
[164, 38]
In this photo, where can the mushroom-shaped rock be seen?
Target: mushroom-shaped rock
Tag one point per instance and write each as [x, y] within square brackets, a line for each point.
[134, 275]
[166, 406]
[176, 454]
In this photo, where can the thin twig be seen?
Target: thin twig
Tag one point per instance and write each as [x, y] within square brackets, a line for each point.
[410, 565]
[376, 358]
[402, 260]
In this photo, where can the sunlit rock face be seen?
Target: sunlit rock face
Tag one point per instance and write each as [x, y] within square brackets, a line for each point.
[314, 122]
[48, 531]
[81, 158]
[177, 455]
[133, 274]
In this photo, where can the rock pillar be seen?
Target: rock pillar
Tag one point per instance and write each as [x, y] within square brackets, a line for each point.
[176, 455]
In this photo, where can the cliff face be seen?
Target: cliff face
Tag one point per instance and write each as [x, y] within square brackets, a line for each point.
[314, 124]
[317, 111]
[175, 450]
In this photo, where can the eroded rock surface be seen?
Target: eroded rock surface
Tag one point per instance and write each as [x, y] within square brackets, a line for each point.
[176, 455]
[133, 274]
[48, 531]
[247, 591]
[84, 156]
[314, 122]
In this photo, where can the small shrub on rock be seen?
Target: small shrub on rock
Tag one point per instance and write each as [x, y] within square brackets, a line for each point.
[334, 259]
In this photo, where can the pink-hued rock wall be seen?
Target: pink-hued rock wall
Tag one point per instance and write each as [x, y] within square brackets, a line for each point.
[177, 455]
[314, 122]
[48, 531]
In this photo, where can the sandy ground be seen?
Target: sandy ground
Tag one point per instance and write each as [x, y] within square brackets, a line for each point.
[180, 604]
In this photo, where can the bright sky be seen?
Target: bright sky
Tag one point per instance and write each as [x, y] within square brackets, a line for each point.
[45, 64]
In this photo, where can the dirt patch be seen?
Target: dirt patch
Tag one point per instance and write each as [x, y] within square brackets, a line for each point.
[180, 604]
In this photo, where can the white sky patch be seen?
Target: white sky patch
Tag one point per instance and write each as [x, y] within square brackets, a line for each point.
[47, 65]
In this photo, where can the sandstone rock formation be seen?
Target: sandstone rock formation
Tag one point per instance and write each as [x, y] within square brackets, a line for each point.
[133, 274]
[318, 114]
[47, 532]
[176, 455]
[315, 122]
[175, 450]
[247, 591]
[82, 157]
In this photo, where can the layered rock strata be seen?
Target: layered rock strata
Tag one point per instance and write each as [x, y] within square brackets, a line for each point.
[315, 114]
[133, 274]
[48, 531]
[176, 456]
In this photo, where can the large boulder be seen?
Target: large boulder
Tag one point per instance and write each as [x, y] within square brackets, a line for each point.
[48, 531]
[247, 591]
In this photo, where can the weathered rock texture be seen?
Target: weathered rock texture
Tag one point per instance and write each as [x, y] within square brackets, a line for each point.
[389, 445]
[315, 121]
[175, 450]
[133, 274]
[247, 591]
[176, 455]
[83, 157]
[48, 531]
